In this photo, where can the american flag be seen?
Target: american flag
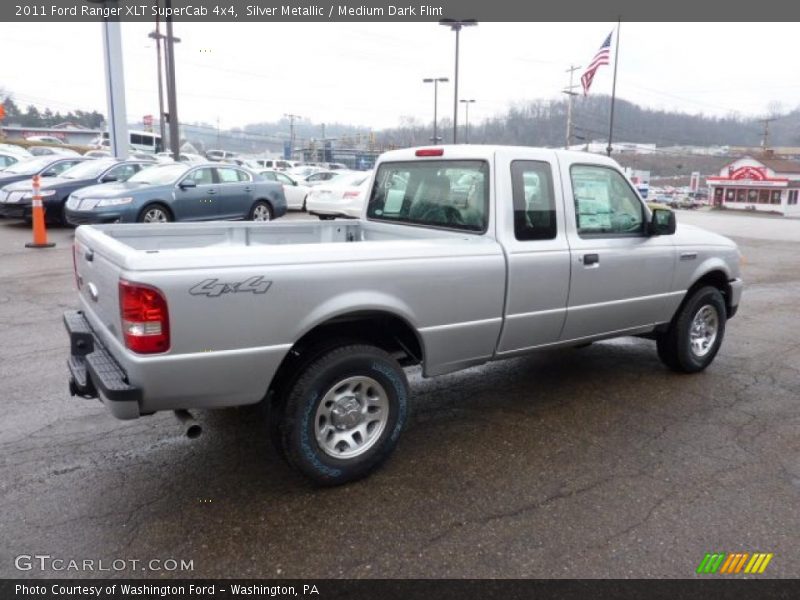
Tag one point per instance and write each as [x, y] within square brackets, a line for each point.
[601, 58]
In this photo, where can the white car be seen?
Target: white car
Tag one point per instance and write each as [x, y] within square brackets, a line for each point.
[52, 151]
[45, 139]
[15, 150]
[277, 164]
[294, 190]
[186, 157]
[9, 158]
[304, 171]
[343, 196]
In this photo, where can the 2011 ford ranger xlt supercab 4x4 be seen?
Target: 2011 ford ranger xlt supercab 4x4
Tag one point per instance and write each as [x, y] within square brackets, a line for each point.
[463, 255]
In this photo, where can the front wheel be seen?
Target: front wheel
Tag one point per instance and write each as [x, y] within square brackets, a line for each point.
[155, 213]
[261, 211]
[695, 334]
[344, 414]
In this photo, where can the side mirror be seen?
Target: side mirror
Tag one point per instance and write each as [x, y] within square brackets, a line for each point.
[294, 183]
[187, 184]
[662, 222]
[108, 179]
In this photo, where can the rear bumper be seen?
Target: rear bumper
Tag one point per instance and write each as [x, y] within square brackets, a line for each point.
[93, 372]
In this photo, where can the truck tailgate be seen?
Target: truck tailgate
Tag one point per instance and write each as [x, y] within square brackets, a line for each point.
[98, 287]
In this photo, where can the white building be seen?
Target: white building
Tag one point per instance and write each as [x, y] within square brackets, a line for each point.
[765, 184]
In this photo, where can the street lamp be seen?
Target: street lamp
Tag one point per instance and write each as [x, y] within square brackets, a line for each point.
[435, 81]
[456, 26]
[466, 104]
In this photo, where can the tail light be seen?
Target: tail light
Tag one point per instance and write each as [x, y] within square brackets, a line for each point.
[353, 194]
[145, 318]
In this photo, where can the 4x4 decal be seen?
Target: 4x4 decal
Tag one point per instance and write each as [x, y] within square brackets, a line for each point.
[213, 287]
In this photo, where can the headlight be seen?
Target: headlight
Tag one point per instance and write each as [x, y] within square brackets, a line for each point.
[43, 194]
[115, 201]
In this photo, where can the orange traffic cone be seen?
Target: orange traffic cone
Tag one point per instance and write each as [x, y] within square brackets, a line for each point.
[39, 227]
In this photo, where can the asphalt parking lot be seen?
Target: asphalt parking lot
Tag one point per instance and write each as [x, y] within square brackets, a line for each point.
[595, 462]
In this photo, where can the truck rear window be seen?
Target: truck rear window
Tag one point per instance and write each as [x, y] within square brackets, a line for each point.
[453, 194]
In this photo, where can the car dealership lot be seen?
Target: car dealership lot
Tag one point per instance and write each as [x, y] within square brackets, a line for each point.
[580, 463]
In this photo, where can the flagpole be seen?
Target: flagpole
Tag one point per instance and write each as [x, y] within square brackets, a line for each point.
[613, 93]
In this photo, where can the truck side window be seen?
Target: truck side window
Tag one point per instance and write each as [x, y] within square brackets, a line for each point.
[534, 202]
[605, 203]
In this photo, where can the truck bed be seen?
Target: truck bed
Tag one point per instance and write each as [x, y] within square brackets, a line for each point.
[204, 235]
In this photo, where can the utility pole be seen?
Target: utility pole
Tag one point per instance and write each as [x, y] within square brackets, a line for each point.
[291, 132]
[172, 97]
[157, 36]
[571, 93]
[765, 138]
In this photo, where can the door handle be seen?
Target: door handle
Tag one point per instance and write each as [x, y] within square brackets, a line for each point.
[211, 192]
[590, 259]
[248, 189]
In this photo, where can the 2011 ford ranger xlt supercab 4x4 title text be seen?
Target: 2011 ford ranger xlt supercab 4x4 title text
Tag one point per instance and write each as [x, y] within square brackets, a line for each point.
[463, 255]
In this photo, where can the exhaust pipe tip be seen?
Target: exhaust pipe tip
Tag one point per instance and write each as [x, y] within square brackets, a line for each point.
[192, 428]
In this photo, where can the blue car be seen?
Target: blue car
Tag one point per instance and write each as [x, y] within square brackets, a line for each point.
[179, 192]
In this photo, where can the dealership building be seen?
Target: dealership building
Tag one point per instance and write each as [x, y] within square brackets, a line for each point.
[766, 184]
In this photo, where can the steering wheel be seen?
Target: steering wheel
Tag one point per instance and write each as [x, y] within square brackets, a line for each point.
[453, 215]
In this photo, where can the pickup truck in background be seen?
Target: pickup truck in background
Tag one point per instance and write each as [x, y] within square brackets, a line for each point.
[463, 255]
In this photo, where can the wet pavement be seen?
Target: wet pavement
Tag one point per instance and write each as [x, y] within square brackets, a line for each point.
[595, 462]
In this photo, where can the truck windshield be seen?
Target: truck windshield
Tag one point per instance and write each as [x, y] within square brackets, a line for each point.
[448, 193]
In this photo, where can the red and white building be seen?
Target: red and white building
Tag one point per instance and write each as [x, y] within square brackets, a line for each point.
[765, 184]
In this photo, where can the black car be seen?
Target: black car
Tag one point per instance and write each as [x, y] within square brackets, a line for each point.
[16, 198]
[44, 166]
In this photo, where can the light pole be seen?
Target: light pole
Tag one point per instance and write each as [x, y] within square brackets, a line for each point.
[291, 132]
[466, 104]
[435, 81]
[456, 26]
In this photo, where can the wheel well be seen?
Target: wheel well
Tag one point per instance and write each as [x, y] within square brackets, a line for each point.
[384, 330]
[267, 200]
[163, 205]
[716, 279]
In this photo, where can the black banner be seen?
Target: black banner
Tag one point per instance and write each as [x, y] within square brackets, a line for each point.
[410, 589]
[381, 11]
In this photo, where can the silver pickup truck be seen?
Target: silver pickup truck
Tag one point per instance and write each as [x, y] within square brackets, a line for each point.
[464, 254]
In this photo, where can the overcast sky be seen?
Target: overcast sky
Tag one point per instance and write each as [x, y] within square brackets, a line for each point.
[371, 74]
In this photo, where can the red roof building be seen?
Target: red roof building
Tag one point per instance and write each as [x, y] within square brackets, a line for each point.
[766, 184]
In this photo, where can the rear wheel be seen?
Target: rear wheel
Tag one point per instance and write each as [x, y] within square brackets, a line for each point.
[261, 211]
[343, 415]
[695, 334]
[155, 213]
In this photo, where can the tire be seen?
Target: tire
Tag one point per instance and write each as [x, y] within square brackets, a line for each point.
[154, 213]
[326, 217]
[695, 333]
[261, 211]
[343, 414]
